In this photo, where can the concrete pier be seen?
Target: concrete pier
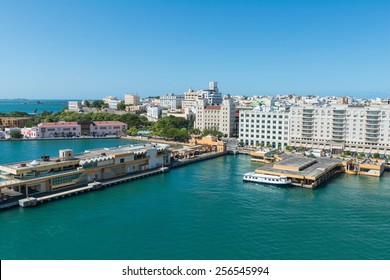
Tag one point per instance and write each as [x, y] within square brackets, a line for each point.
[304, 172]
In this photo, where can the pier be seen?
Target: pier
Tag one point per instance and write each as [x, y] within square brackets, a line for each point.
[46, 197]
[304, 172]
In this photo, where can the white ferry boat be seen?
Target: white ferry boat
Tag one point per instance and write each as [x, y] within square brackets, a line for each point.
[266, 179]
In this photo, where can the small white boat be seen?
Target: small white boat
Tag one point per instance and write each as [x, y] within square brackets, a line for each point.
[266, 179]
[164, 169]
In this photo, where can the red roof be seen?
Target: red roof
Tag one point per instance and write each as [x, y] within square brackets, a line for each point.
[210, 107]
[58, 124]
[108, 123]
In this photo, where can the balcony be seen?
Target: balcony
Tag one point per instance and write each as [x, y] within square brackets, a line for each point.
[376, 123]
[338, 133]
[339, 113]
[372, 139]
[307, 135]
[338, 125]
[337, 138]
[373, 113]
[373, 117]
[373, 130]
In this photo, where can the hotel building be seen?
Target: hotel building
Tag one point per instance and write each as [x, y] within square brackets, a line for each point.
[219, 117]
[264, 126]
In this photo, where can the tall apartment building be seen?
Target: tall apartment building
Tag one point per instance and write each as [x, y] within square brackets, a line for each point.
[219, 117]
[132, 99]
[264, 126]
[171, 101]
[341, 127]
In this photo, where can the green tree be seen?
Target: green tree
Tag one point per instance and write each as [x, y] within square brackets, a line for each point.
[347, 153]
[17, 114]
[376, 155]
[16, 134]
[132, 131]
[98, 104]
[213, 132]
[121, 106]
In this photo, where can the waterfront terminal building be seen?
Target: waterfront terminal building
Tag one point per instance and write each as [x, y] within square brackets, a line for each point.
[72, 170]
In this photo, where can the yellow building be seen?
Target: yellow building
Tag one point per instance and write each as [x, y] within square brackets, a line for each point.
[212, 143]
[15, 121]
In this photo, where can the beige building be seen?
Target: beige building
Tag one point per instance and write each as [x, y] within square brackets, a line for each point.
[132, 99]
[341, 127]
[219, 117]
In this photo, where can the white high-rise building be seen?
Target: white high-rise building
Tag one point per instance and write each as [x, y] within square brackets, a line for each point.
[264, 126]
[219, 117]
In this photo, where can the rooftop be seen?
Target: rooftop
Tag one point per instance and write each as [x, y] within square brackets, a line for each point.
[94, 154]
[57, 124]
[104, 123]
[299, 167]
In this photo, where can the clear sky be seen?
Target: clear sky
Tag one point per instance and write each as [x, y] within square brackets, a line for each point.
[91, 49]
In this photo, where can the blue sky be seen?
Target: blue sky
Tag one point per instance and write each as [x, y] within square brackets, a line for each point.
[91, 49]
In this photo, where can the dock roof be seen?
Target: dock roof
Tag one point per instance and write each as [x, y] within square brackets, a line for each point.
[310, 168]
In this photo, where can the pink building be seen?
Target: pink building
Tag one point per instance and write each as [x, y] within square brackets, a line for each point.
[30, 132]
[58, 129]
[107, 128]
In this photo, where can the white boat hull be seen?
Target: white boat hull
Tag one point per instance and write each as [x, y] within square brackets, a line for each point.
[266, 179]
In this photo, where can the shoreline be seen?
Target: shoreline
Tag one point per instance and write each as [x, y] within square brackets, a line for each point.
[151, 139]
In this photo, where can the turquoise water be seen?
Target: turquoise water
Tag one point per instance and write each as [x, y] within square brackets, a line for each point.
[28, 106]
[201, 211]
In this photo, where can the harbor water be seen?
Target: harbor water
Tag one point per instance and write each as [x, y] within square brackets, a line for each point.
[200, 211]
[32, 105]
